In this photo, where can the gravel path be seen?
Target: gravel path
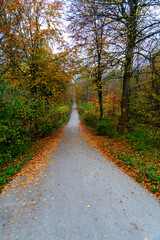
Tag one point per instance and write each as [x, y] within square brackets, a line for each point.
[81, 197]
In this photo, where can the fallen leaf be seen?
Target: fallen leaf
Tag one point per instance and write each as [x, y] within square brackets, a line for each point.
[101, 199]
[12, 221]
[88, 206]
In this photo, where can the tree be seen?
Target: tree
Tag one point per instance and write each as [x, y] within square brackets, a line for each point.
[88, 26]
[26, 29]
[132, 21]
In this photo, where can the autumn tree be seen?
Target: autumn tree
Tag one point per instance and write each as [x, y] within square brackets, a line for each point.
[26, 28]
[133, 22]
[89, 29]
[10, 17]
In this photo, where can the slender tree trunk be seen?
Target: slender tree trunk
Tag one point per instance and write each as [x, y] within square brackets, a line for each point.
[100, 101]
[99, 86]
[99, 81]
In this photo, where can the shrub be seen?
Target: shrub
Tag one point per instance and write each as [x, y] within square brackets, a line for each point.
[56, 117]
[90, 117]
[85, 107]
[106, 127]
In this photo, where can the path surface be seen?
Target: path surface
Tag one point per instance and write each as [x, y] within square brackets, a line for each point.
[82, 197]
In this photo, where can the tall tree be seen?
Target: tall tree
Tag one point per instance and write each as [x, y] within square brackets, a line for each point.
[88, 26]
[26, 28]
[134, 21]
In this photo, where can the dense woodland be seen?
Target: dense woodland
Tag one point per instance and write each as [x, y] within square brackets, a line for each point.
[110, 61]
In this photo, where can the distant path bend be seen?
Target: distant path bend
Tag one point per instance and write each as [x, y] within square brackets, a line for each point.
[81, 197]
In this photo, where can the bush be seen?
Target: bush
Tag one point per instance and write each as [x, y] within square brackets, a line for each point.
[90, 117]
[55, 118]
[89, 114]
[85, 107]
[106, 127]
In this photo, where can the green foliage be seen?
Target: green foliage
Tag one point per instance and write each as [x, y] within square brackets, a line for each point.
[28, 157]
[23, 119]
[56, 117]
[89, 114]
[90, 117]
[106, 127]
[144, 138]
[14, 137]
[84, 107]
[145, 168]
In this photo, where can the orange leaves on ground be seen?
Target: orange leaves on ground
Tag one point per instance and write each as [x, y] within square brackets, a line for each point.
[32, 203]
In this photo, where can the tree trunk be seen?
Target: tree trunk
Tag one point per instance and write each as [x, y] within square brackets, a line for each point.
[125, 97]
[131, 27]
[99, 80]
[100, 101]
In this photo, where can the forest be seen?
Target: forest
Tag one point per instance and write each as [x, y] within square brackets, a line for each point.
[105, 54]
